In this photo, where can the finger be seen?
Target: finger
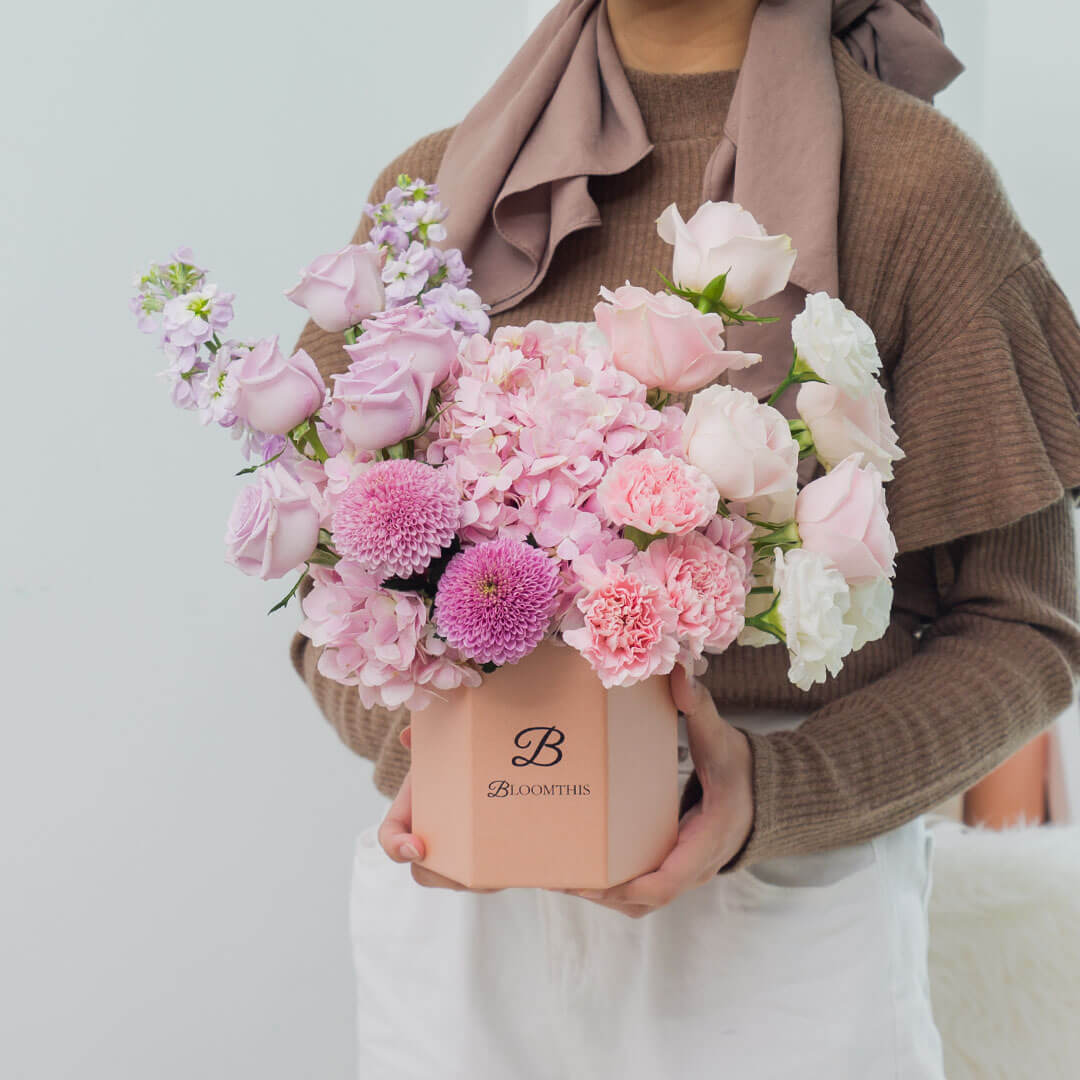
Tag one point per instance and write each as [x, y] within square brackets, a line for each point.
[395, 833]
[405, 737]
[689, 863]
[431, 880]
[689, 695]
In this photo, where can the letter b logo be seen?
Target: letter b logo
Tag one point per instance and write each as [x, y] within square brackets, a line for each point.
[544, 746]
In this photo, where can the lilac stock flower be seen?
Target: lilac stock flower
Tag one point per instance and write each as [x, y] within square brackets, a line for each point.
[456, 272]
[458, 308]
[390, 236]
[406, 275]
[194, 317]
[495, 600]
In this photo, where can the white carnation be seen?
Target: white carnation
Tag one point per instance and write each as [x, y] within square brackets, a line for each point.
[871, 606]
[836, 343]
[814, 598]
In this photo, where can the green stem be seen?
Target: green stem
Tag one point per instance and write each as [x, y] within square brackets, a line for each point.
[289, 595]
[769, 621]
[313, 440]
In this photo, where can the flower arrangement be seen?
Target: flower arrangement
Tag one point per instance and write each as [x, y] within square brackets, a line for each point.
[456, 498]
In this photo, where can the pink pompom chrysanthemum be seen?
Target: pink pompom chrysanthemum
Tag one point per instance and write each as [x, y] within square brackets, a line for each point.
[655, 493]
[393, 519]
[495, 600]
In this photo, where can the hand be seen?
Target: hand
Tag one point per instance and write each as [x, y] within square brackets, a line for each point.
[402, 845]
[713, 831]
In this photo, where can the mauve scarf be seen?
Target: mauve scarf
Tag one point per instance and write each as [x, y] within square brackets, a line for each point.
[515, 173]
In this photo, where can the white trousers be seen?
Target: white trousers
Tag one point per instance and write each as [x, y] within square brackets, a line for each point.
[810, 966]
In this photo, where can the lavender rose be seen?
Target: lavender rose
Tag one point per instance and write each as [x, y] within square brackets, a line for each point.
[408, 338]
[275, 394]
[382, 401]
[273, 527]
[341, 289]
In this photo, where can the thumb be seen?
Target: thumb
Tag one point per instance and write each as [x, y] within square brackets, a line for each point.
[690, 696]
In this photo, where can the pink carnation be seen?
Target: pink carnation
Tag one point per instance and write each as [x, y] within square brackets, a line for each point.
[733, 533]
[657, 494]
[623, 624]
[396, 517]
[705, 584]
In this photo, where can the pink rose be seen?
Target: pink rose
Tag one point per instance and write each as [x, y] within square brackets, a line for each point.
[275, 394]
[705, 584]
[841, 424]
[657, 494]
[723, 238]
[622, 624]
[843, 517]
[341, 289]
[745, 448]
[273, 527]
[383, 402]
[664, 341]
[410, 339]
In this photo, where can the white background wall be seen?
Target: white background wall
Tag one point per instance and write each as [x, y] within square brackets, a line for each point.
[176, 820]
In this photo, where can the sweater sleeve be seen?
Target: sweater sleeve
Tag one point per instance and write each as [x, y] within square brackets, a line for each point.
[989, 422]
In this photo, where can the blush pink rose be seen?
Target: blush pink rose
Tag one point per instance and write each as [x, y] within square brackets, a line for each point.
[622, 624]
[664, 341]
[340, 290]
[382, 401]
[745, 448]
[656, 494]
[723, 238]
[841, 424]
[275, 394]
[273, 527]
[843, 517]
[411, 339]
[705, 584]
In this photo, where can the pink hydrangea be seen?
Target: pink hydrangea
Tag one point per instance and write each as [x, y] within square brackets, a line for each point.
[622, 623]
[379, 640]
[705, 584]
[657, 494]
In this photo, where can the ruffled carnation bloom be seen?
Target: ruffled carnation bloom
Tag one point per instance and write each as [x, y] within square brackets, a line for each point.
[814, 600]
[705, 584]
[495, 600]
[657, 494]
[379, 640]
[733, 533]
[836, 343]
[393, 519]
[870, 611]
[622, 624]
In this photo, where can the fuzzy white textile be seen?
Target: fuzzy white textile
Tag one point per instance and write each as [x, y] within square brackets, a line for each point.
[1005, 951]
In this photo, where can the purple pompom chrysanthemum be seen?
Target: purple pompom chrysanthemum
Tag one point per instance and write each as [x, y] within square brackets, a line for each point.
[393, 519]
[495, 600]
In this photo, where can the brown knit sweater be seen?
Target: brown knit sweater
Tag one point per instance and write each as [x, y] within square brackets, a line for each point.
[981, 361]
